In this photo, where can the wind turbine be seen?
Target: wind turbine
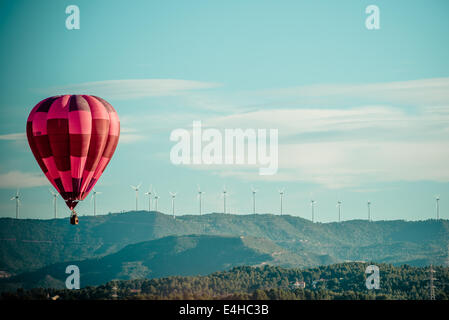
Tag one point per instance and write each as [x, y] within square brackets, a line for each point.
[312, 205]
[173, 196]
[137, 192]
[339, 210]
[17, 197]
[254, 191]
[156, 198]
[437, 199]
[94, 198]
[369, 210]
[55, 195]
[281, 195]
[224, 199]
[200, 194]
[149, 193]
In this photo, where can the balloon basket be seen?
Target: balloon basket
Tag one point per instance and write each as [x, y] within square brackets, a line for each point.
[74, 218]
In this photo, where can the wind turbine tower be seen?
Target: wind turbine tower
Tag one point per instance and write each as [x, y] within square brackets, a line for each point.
[437, 199]
[312, 205]
[254, 191]
[173, 196]
[200, 195]
[281, 196]
[94, 198]
[156, 198]
[137, 194]
[149, 193]
[224, 199]
[369, 210]
[339, 210]
[17, 199]
[55, 195]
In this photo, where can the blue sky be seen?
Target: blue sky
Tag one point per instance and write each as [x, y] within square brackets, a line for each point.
[361, 114]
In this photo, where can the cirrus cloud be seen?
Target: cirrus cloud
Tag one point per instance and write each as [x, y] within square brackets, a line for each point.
[19, 179]
[134, 88]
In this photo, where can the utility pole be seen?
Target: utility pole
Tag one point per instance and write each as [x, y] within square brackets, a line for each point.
[431, 286]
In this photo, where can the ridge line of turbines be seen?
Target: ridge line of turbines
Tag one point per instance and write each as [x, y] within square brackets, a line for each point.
[150, 192]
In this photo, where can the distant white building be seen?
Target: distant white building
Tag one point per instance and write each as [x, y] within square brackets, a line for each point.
[298, 284]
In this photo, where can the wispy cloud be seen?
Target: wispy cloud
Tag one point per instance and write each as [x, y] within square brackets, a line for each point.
[421, 92]
[352, 163]
[377, 120]
[129, 135]
[19, 179]
[347, 147]
[134, 88]
[13, 136]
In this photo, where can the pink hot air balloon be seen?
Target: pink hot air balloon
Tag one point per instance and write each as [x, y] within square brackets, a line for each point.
[73, 138]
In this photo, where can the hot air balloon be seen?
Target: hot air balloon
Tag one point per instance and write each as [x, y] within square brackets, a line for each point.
[73, 138]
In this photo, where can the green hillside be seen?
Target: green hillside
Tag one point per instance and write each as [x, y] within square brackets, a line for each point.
[28, 245]
[183, 255]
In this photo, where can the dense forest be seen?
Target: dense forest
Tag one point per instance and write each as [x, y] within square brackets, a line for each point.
[344, 281]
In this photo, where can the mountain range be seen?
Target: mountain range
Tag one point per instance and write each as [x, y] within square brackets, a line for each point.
[151, 245]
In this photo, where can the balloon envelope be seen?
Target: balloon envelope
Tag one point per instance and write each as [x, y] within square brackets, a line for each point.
[73, 138]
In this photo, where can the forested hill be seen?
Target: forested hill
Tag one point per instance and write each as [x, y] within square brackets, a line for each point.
[27, 244]
[339, 281]
[168, 256]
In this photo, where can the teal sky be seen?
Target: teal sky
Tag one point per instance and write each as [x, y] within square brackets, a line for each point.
[361, 114]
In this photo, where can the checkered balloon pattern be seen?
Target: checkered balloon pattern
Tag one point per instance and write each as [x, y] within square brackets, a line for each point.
[73, 138]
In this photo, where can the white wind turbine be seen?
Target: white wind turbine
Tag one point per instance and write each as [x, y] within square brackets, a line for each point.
[149, 193]
[173, 196]
[339, 210]
[369, 210]
[281, 196]
[156, 199]
[200, 198]
[312, 205]
[437, 199]
[137, 193]
[94, 199]
[17, 199]
[224, 199]
[254, 191]
[55, 196]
